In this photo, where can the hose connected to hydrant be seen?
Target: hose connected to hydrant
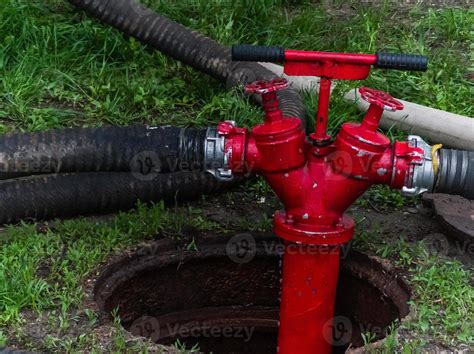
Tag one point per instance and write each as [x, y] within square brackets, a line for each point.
[111, 150]
[317, 179]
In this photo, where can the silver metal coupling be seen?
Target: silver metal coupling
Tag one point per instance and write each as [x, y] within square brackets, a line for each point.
[215, 157]
[423, 177]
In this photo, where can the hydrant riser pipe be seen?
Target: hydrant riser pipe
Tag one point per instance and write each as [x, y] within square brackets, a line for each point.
[308, 298]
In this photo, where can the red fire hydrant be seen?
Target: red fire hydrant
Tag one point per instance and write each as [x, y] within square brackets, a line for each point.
[317, 179]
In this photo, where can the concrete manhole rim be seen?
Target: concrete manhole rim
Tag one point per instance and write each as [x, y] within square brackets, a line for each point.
[169, 253]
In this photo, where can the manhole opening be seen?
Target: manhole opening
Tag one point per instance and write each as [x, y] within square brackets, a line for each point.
[204, 298]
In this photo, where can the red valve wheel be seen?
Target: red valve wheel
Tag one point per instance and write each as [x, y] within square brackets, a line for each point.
[381, 99]
[264, 87]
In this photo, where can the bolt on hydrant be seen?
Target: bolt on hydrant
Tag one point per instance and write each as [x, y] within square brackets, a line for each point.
[318, 178]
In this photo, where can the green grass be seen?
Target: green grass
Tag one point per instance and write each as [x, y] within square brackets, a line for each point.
[443, 295]
[43, 268]
[59, 68]
[445, 300]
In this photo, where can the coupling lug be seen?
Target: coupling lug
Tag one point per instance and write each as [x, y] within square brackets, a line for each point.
[216, 160]
[422, 177]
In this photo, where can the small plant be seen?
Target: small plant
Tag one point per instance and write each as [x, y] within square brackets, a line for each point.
[191, 246]
[181, 347]
[3, 339]
[384, 198]
[368, 337]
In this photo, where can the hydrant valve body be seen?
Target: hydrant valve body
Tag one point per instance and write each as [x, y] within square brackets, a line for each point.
[318, 179]
[316, 184]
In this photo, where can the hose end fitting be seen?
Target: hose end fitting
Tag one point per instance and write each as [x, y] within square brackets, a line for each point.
[422, 177]
[216, 161]
[225, 150]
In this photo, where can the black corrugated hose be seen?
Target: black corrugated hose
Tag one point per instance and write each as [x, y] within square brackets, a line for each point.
[66, 195]
[107, 149]
[456, 173]
[183, 44]
[116, 149]
[79, 150]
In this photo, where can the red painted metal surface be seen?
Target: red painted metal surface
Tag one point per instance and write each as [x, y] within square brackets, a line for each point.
[322, 115]
[268, 91]
[317, 180]
[340, 58]
[308, 297]
[328, 66]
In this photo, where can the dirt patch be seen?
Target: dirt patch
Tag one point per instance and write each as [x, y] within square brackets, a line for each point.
[414, 224]
[244, 209]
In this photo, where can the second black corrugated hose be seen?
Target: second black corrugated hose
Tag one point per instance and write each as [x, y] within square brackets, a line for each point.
[183, 44]
[67, 195]
[456, 173]
[50, 196]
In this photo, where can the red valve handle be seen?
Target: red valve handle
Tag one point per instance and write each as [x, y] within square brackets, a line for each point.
[381, 99]
[331, 66]
[268, 90]
[264, 87]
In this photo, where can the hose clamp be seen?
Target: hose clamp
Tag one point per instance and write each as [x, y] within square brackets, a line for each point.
[216, 161]
[422, 178]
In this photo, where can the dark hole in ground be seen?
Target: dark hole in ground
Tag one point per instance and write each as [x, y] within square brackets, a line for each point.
[203, 297]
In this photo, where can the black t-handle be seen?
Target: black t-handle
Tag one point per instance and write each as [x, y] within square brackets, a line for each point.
[407, 62]
[245, 52]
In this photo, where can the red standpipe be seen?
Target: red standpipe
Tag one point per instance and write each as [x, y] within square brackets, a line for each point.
[308, 297]
[317, 180]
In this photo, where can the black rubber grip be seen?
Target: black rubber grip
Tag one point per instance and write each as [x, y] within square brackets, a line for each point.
[258, 53]
[402, 62]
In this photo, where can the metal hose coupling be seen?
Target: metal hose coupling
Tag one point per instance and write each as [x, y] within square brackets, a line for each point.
[441, 171]
[423, 176]
[216, 160]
